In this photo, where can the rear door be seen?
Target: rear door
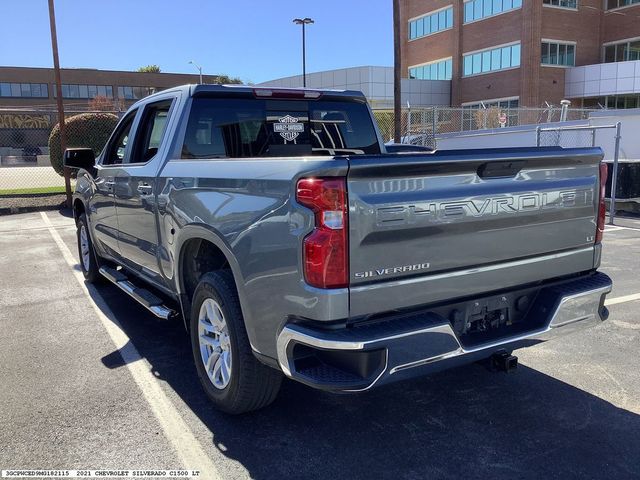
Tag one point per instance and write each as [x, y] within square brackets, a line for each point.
[432, 227]
[135, 193]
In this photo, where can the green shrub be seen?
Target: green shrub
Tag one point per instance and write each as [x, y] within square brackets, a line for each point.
[89, 130]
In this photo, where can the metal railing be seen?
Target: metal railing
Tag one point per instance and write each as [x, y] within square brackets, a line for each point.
[567, 136]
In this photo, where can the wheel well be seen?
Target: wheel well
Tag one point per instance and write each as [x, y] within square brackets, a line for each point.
[78, 209]
[199, 257]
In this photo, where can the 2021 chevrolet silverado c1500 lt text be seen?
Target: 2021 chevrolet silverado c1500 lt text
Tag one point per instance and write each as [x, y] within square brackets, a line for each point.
[291, 241]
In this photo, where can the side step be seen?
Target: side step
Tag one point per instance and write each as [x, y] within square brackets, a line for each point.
[143, 297]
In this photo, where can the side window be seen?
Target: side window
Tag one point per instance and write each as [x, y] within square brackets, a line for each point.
[150, 131]
[118, 146]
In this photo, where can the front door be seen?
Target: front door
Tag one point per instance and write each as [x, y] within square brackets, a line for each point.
[135, 192]
[102, 208]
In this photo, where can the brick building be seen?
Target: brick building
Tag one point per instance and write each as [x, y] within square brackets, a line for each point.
[526, 52]
[29, 87]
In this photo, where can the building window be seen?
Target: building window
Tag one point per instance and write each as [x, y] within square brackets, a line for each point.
[573, 4]
[556, 53]
[24, 90]
[479, 9]
[621, 101]
[491, 60]
[84, 91]
[611, 4]
[431, 23]
[438, 70]
[134, 93]
[486, 114]
[622, 52]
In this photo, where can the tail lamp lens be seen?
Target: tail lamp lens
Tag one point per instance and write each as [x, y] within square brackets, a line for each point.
[325, 250]
[602, 209]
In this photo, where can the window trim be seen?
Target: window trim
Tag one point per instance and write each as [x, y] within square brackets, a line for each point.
[622, 41]
[490, 100]
[134, 114]
[143, 109]
[571, 9]
[444, 59]
[605, 9]
[493, 47]
[30, 89]
[560, 42]
[488, 16]
[428, 14]
[489, 49]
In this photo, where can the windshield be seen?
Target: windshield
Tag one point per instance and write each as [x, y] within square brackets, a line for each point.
[266, 128]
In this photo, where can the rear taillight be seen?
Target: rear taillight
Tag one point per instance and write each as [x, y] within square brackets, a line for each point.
[326, 249]
[602, 209]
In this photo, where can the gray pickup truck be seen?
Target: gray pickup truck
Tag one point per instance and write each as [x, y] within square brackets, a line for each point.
[294, 243]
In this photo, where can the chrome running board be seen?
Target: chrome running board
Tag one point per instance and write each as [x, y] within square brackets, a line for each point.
[144, 297]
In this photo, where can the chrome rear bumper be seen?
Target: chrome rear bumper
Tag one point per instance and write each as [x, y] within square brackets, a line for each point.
[358, 358]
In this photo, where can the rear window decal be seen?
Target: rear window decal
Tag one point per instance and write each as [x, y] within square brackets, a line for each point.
[288, 127]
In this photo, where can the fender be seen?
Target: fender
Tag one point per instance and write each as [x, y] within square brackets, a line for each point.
[210, 234]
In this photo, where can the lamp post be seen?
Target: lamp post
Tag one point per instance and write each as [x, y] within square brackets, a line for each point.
[303, 22]
[191, 62]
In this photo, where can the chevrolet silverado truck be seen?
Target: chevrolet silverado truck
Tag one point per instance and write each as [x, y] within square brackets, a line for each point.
[293, 243]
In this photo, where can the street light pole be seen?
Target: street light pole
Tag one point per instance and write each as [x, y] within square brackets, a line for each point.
[397, 78]
[303, 21]
[56, 69]
[191, 62]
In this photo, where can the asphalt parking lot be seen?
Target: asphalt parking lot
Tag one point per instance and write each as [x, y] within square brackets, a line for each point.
[88, 379]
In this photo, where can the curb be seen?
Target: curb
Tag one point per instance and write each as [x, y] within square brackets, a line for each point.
[15, 210]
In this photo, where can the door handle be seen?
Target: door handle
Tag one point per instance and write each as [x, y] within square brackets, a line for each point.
[109, 185]
[145, 189]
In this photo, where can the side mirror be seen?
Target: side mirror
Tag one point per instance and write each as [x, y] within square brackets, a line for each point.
[80, 158]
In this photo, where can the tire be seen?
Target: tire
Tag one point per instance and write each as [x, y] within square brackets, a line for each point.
[89, 259]
[248, 384]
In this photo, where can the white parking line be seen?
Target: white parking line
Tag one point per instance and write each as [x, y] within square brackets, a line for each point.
[624, 299]
[176, 430]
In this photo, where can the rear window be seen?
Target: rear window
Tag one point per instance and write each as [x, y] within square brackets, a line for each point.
[266, 128]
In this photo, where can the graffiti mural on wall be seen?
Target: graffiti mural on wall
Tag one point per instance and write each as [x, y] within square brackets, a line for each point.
[24, 121]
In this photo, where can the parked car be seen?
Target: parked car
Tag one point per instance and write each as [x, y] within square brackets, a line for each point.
[30, 153]
[291, 243]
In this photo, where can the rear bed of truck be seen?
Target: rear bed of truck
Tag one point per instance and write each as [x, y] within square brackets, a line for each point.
[439, 226]
[454, 256]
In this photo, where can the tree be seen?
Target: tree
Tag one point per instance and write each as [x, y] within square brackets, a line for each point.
[150, 69]
[225, 79]
[90, 130]
[100, 103]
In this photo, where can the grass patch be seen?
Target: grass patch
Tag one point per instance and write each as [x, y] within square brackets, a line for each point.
[32, 191]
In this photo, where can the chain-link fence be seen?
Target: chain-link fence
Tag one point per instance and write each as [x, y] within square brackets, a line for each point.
[30, 172]
[420, 126]
[587, 136]
[31, 165]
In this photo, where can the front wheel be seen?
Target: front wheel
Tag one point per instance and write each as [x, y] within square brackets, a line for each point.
[86, 252]
[233, 379]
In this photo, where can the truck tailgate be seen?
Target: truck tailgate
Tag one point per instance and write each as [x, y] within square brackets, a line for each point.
[430, 227]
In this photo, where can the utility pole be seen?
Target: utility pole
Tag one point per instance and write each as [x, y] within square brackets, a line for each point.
[397, 66]
[56, 69]
[303, 22]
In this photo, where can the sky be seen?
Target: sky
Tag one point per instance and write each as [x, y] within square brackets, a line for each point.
[255, 40]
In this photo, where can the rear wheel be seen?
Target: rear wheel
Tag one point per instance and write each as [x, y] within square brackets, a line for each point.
[86, 252]
[232, 377]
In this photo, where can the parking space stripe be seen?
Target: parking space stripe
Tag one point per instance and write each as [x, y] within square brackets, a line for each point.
[184, 442]
[624, 299]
